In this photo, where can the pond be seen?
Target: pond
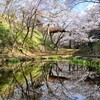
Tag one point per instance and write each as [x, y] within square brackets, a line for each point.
[49, 80]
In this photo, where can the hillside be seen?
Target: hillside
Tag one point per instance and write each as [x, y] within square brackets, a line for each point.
[9, 45]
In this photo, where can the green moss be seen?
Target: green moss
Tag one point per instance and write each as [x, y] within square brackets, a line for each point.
[14, 60]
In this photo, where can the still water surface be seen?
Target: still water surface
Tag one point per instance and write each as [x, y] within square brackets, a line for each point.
[49, 80]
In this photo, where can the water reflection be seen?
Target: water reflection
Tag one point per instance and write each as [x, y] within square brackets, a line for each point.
[49, 81]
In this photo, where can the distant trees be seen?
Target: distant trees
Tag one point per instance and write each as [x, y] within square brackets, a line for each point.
[96, 48]
[95, 34]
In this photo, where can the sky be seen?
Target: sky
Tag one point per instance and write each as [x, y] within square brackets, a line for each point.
[83, 6]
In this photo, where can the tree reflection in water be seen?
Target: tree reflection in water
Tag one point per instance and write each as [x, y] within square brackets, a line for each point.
[53, 81]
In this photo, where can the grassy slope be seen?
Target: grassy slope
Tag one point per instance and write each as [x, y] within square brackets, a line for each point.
[6, 40]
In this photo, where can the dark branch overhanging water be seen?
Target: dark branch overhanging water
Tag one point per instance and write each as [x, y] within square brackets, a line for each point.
[60, 80]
